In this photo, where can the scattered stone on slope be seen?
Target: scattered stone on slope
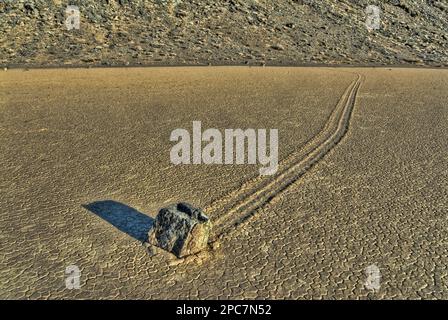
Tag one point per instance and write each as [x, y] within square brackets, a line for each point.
[181, 229]
[173, 32]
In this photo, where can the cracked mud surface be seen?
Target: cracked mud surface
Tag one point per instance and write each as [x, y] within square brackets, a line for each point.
[379, 197]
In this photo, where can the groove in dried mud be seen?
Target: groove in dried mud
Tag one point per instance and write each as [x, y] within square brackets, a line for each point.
[239, 205]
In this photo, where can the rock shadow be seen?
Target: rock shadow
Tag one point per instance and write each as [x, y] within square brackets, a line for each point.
[122, 217]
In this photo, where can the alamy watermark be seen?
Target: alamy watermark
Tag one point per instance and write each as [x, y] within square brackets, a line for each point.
[73, 277]
[237, 144]
[373, 281]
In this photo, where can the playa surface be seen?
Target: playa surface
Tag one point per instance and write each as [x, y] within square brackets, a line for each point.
[85, 166]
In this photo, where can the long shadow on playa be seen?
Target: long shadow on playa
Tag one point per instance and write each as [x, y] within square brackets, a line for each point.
[122, 217]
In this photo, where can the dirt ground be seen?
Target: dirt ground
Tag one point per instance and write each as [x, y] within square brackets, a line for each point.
[85, 166]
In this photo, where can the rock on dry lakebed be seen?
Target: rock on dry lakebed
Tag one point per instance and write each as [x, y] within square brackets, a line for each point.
[181, 229]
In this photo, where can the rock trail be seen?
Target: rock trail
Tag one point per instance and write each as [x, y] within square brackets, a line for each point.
[239, 205]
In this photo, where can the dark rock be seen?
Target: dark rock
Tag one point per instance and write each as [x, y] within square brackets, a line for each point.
[181, 229]
[278, 47]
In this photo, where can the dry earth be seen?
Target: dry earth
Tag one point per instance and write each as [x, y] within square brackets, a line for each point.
[72, 138]
[185, 32]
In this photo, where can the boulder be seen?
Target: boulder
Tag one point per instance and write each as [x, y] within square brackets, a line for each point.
[180, 229]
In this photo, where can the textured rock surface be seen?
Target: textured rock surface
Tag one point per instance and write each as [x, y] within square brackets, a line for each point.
[181, 229]
[156, 32]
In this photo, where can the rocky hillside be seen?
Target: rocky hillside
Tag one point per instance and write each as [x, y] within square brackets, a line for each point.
[148, 32]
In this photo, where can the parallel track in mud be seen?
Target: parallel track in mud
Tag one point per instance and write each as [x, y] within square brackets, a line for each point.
[236, 207]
